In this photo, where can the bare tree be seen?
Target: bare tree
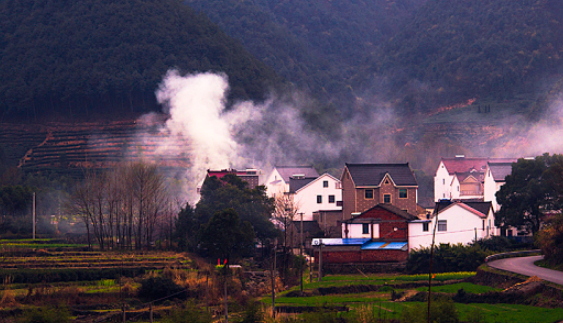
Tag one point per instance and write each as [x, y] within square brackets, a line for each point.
[125, 204]
[285, 211]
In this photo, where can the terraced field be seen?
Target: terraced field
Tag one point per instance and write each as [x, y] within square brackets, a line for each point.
[71, 147]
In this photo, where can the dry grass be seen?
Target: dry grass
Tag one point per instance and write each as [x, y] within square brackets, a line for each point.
[8, 298]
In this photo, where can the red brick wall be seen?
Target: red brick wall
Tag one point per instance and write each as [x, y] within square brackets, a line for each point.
[389, 221]
[353, 199]
[348, 195]
[362, 256]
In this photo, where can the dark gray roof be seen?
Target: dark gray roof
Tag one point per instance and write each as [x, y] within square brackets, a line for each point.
[372, 174]
[297, 183]
[500, 171]
[288, 171]
[482, 207]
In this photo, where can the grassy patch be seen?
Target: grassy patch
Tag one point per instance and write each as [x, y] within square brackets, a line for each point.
[468, 287]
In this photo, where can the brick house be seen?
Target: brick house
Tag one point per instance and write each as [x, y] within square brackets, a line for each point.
[377, 235]
[367, 185]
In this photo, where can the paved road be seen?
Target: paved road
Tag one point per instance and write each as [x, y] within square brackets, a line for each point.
[525, 266]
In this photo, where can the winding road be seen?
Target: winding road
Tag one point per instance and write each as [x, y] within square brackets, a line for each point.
[525, 266]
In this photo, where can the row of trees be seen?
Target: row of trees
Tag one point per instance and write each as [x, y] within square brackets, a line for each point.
[126, 208]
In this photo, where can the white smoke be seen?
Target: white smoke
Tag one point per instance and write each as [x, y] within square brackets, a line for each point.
[248, 134]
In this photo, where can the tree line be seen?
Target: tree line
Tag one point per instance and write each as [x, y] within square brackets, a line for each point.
[127, 208]
[88, 59]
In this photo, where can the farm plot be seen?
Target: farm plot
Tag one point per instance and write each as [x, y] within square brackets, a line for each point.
[390, 298]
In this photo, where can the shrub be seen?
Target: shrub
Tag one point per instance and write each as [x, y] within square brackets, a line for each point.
[447, 258]
[47, 315]
[158, 288]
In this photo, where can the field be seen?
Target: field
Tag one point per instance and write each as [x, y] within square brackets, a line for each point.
[385, 298]
[65, 280]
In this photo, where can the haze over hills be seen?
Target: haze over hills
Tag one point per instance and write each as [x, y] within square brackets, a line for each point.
[377, 81]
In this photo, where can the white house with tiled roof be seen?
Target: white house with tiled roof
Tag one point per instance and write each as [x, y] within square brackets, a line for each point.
[495, 177]
[463, 178]
[278, 180]
[316, 194]
[457, 222]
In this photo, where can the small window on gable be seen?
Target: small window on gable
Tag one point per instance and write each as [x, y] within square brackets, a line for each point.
[319, 199]
[325, 183]
[425, 227]
[386, 198]
[368, 194]
[403, 193]
[386, 181]
[365, 228]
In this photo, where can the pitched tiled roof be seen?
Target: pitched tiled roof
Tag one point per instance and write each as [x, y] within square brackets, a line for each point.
[386, 206]
[466, 164]
[288, 171]
[372, 174]
[482, 207]
[500, 170]
[296, 183]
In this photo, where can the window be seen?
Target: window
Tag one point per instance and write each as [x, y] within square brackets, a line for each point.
[365, 228]
[325, 183]
[331, 199]
[386, 198]
[442, 225]
[368, 194]
[483, 225]
[443, 181]
[403, 193]
[319, 199]
[425, 227]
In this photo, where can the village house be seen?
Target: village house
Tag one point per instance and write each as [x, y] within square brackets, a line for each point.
[463, 178]
[279, 178]
[321, 194]
[367, 185]
[377, 236]
[455, 222]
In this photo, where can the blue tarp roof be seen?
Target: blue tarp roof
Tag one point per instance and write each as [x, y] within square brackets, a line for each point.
[344, 242]
[372, 245]
[366, 243]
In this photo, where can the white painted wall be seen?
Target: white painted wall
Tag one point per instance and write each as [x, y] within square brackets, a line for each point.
[461, 225]
[490, 188]
[275, 184]
[306, 197]
[442, 183]
[355, 230]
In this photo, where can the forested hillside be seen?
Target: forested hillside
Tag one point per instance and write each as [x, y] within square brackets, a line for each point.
[319, 45]
[419, 54]
[474, 49]
[85, 57]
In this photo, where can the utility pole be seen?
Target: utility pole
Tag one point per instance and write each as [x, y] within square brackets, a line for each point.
[274, 282]
[431, 260]
[33, 215]
[301, 253]
[320, 259]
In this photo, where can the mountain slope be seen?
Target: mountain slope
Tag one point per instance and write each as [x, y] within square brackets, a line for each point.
[82, 57]
[317, 45]
[457, 50]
